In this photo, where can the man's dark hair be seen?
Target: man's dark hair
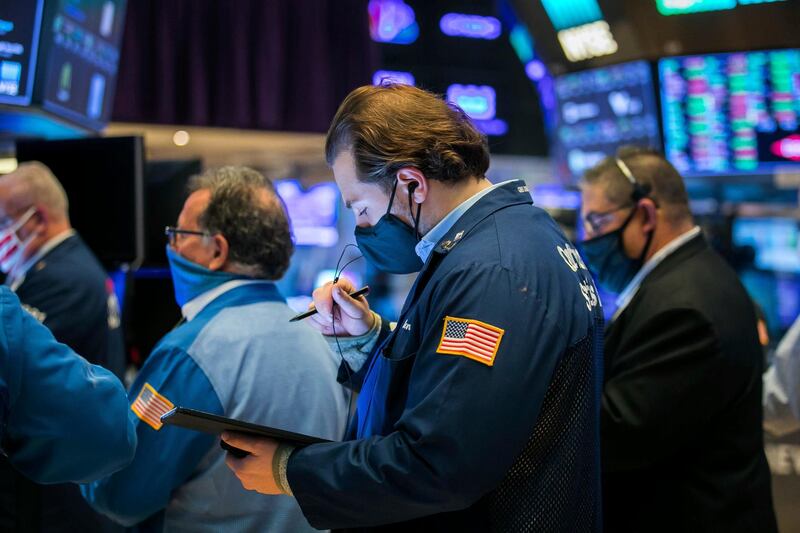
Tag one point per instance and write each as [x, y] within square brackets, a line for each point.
[652, 171]
[391, 126]
[255, 224]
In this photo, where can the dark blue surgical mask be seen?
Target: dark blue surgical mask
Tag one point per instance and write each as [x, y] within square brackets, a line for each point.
[390, 244]
[606, 259]
[191, 280]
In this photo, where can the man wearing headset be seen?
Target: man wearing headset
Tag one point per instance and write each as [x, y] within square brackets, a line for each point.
[681, 439]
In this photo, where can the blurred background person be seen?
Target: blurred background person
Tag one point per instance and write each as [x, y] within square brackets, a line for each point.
[59, 280]
[681, 439]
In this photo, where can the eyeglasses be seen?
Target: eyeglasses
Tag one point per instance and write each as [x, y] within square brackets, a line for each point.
[172, 233]
[594, 222]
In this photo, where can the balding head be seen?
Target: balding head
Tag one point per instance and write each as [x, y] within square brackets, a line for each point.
[32, 184]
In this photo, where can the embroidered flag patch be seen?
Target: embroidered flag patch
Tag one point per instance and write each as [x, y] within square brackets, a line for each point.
[150, 405]
[470, 338]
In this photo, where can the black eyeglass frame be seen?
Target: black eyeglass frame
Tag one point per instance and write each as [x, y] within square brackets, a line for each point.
[171, 232]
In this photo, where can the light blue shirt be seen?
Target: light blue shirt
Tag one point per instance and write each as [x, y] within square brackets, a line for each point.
[428, 242]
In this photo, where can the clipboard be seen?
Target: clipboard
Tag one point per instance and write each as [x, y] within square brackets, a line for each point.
[215, 424]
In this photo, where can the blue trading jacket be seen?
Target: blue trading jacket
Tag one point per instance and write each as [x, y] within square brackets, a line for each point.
[69, 287]
[61, 418]
[239, 357]
[450, 442]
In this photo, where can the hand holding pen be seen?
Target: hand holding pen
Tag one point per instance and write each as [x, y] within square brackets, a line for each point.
[350, 316]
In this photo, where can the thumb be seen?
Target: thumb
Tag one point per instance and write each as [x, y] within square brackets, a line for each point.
[241, 441]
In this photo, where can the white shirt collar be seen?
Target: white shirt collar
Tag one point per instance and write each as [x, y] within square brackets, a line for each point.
[632, 288]
[18, 277]
[428, 242]
[193, 307]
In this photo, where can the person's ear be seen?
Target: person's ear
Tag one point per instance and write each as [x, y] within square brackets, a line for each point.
[414, 182]
[650, 214]
[220, 252]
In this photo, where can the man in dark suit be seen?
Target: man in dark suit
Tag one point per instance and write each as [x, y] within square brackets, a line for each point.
[682, 445]
[61, 283]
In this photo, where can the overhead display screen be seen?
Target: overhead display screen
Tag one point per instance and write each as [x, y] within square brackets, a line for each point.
[729, 114]
[20, 23]
[83, 47]
[600, 110]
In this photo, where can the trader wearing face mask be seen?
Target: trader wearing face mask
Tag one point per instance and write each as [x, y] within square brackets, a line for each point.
[487, 390]
[61, 283]
[236, 355]
[682, 446]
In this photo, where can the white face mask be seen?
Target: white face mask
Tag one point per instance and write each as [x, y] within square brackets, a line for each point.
[11, 248]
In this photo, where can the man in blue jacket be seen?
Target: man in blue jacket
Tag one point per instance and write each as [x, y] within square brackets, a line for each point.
[479, 411]
[61, 418]
[235, 355]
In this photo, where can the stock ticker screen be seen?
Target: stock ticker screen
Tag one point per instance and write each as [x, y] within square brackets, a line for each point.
[600, 110]
[731, 114]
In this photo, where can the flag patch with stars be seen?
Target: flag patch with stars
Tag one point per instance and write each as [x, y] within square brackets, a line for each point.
[470, 338]
[150, 405]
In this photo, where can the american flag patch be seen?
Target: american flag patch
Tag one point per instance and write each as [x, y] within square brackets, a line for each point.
[470, 338]
[150, 405]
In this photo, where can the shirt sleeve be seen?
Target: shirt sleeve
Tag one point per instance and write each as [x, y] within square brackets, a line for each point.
[166, 455]
[68, 419]
[782, 385]
[463, 424]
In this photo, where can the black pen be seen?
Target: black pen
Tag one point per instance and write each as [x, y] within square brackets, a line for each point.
[363, 291]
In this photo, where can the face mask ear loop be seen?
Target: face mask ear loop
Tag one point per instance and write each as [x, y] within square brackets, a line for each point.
[391, 198]
[416, 218]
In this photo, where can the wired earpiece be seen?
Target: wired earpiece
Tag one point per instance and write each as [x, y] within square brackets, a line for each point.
[639, 191]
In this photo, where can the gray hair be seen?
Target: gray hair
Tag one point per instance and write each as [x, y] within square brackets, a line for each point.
[35, 183]
[246, 210]
[652, 171]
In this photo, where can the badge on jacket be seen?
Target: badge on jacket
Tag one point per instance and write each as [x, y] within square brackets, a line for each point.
[476, 340]
[150, 405]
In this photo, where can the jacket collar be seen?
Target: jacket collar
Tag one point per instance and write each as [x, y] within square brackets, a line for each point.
[514, 192]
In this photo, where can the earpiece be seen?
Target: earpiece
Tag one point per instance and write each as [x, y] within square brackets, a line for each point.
[412, 187]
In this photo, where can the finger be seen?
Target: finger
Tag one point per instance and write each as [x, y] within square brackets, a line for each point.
[243, 442]
[323, 301]
[350, 306]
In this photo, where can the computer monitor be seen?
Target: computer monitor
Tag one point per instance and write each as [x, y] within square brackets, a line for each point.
[598, 111]
[103, 178]
[732, 114]
[312, 212]
[775, 242]
[20, 24]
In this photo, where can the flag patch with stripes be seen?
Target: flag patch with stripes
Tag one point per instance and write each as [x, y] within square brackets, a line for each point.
[150, 405]
[470, 338]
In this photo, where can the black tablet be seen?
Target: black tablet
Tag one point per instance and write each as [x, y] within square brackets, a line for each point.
[214, 424]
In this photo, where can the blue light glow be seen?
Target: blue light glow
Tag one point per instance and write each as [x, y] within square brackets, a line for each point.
[472, 26]
[522, 43]
[392, 76]
[570, 13]
[535, 70]
[392, 21]
[477, 101]
[494, 127]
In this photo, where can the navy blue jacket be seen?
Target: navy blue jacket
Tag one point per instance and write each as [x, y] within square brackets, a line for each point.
[71, 289]
[451, 442]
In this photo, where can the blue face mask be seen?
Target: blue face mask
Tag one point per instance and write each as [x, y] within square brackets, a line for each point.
[191, 280]
[390, 244]
[606, 259]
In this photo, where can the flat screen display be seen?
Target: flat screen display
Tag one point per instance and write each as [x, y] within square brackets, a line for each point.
[600, 110]
[312, 212]
[103, 179]
[731, 114]
[775, 241]
[82, 41]
[20, 23]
